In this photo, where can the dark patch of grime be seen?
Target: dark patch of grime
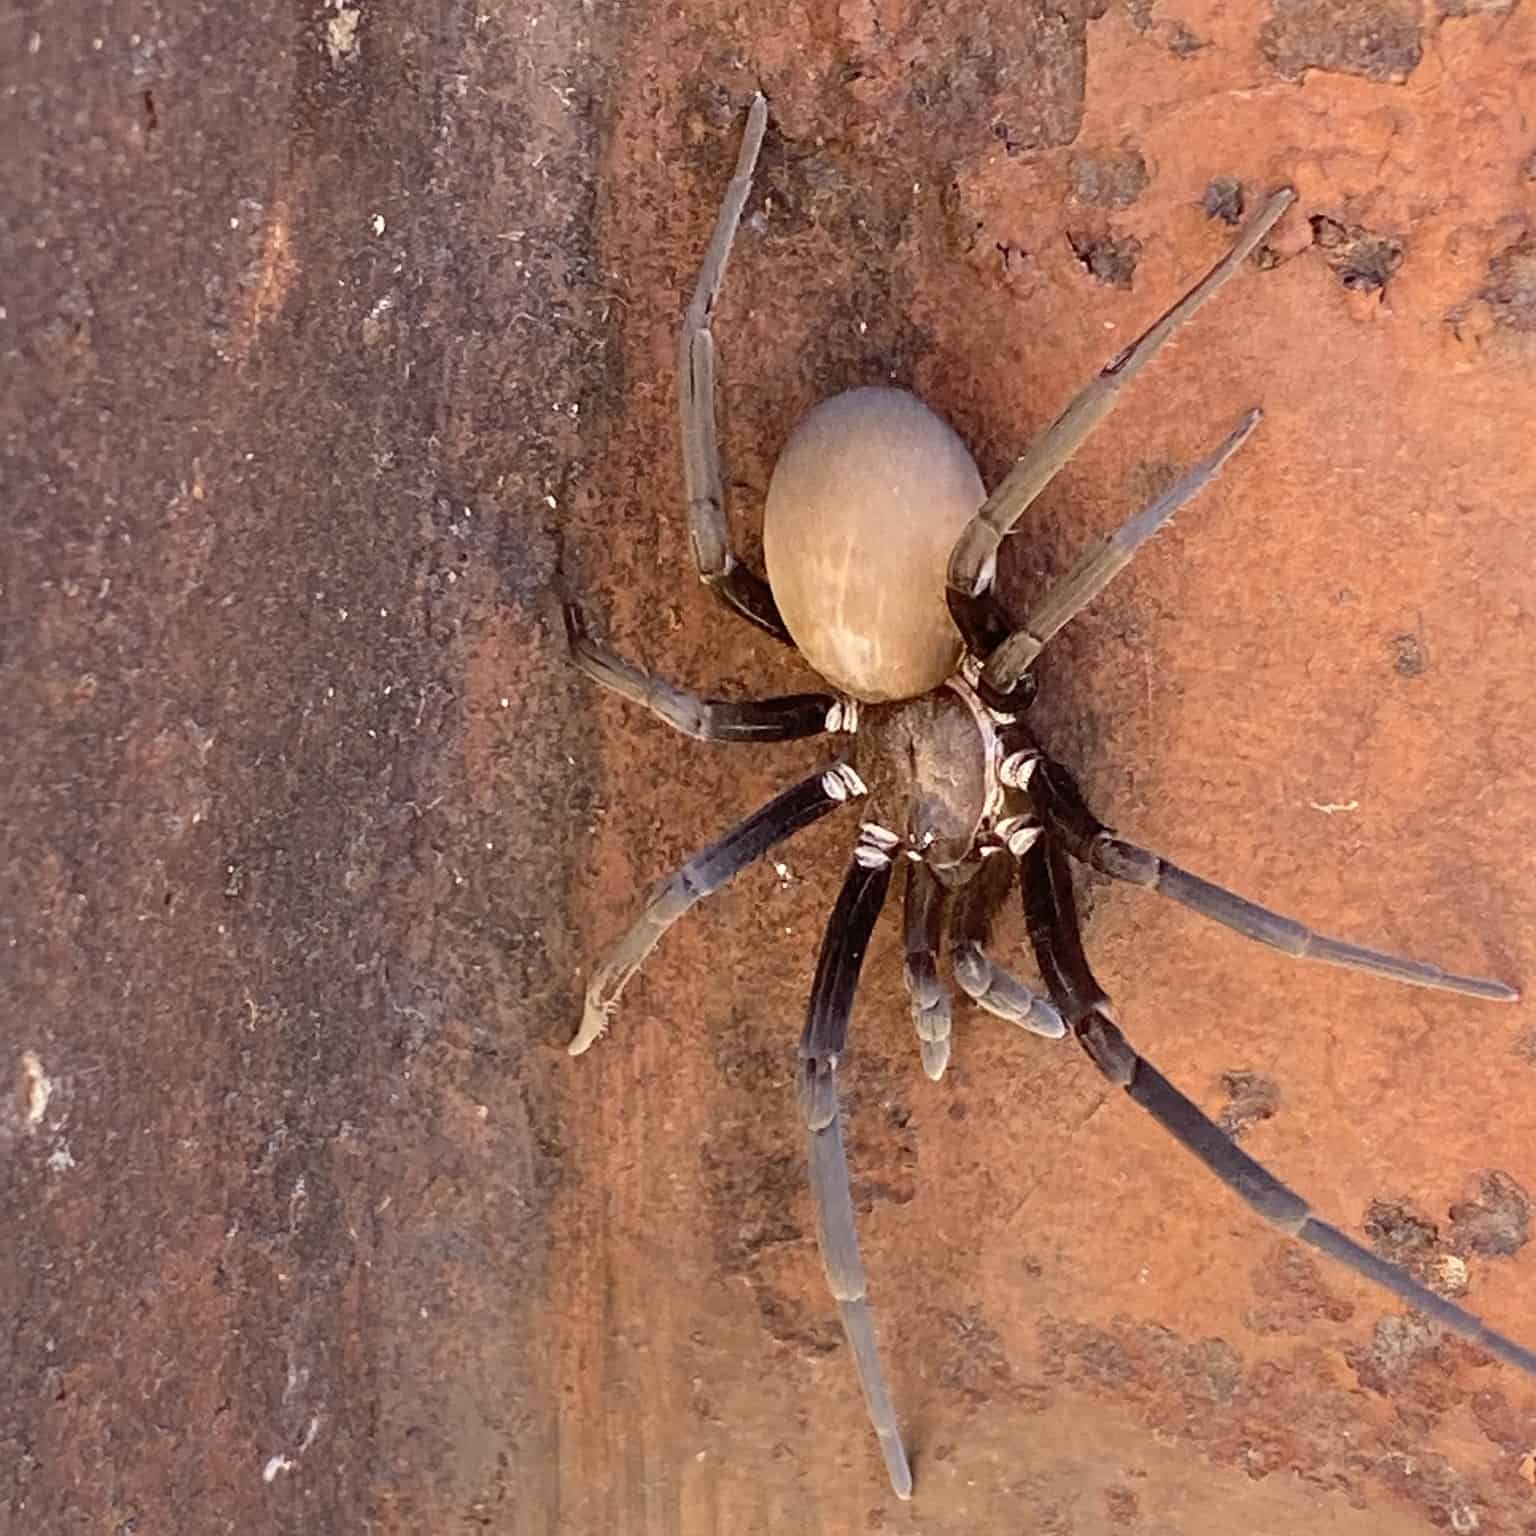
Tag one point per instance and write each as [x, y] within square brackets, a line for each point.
[1510, 292]
[1506, 1425]
[1251, 1097]
[1400, 1235]
[1377, 39]
[1292, 1295]
[805, 1331]
[1495, 1225]
[1109, 178]
[1224, 200]
[1362, 260]
[1433, 1485]
[1016, 72]
[1410, 656]
[1403, 1345]
[972, 1362]
[1121, 1505]
[1176, 36]
[1106, 258]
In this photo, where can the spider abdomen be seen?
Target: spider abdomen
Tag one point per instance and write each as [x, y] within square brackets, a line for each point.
[866, 502]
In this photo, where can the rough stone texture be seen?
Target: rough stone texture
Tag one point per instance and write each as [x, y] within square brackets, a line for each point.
[1378, 39]
[331, 339]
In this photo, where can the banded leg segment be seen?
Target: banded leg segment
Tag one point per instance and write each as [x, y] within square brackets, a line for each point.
[782, 719]
[821, 1048]
[704, 873]
[1102, 563]
[923, 922]
[973, 562]
[708, 531]
[1065, 814]
[1057, 939]
[988, 984]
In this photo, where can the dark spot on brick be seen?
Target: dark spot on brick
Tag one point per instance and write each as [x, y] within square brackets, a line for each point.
[1121, 1506]
[1110, 178]
[1361, 259]
[1528, 167]
[1084, 1354]
[1106, 258]
[1409, 656]
[1496, 1224]
[1402, 1236]
[1251, 1097]
[1398, 1345]
[786, 1321]
[972, 1362]
[1020, 269]
[1379, 39]
[1149, 478]
[1292, 1295]
[1506, 1426]
[1511, 290]
[1525, 1047]
[1432, 1483]
[1224, 200]
[1175, 36]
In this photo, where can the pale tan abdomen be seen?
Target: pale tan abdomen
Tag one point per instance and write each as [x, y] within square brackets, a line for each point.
[865, 504]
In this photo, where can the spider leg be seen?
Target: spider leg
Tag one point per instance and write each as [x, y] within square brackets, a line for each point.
[700, 876]
[981, 978]
[781, 719]
[1089, 840]
[973, 562]
[923, 922]
[821, 1047]
[708, 532]
[1057, 939]
[1099, 565]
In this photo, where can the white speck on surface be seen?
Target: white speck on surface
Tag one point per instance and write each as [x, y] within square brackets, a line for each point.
[340, 33]
[1333, 807]
[61, 1159]
[376, 223]
[275, 1464]
[36, 1088]
[1451, 1274]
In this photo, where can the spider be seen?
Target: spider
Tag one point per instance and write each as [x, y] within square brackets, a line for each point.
[881, 545]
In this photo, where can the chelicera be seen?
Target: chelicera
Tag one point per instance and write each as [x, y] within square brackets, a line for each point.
[881, 543]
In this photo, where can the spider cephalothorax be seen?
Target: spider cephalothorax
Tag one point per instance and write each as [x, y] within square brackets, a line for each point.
[880, 543]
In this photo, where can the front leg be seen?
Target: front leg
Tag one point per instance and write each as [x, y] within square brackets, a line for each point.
[739, 589]
[786, 718]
